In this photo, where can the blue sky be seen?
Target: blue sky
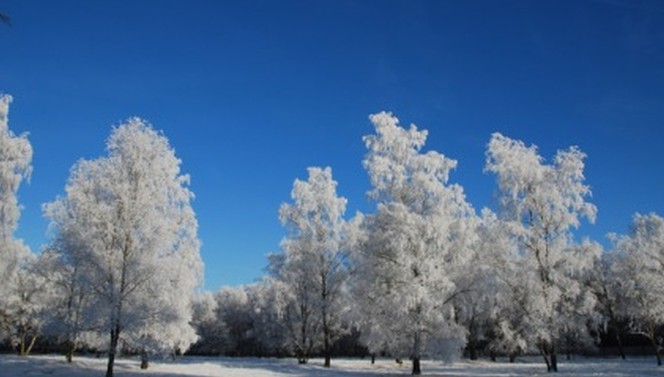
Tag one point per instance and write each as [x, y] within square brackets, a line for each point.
[251, 93]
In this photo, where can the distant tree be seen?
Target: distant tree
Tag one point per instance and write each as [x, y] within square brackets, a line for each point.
[234, 311]
[639, 270]
[611, 304]
[542, 204]
[269, 330]
[413, 247]
[313, 268]
[131, 211]
[211, 329]
[15, 257]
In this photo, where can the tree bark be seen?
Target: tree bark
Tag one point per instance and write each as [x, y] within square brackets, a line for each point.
[326, 343]
[621, 350]
[658, 352]
[69, 354]
[144, 359]
[115, 336]
[417, 370]
[550, 357]
[472, 350]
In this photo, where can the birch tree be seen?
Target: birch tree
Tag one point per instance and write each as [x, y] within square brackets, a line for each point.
[131, 213]
[313, 268]
[607, 287]
[15, 257]
[639, 271]
[542, 203]
[412, 247]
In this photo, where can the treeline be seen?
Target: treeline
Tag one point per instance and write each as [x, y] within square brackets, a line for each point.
[423, 275]
[427, 276]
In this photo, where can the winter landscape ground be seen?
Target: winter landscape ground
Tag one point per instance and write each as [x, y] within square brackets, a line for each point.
[55, 366]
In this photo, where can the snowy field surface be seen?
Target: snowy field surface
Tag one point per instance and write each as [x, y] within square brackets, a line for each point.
[55, 366]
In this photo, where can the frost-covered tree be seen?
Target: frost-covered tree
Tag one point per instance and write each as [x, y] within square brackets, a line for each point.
[130, 212]
[15, 257]
[67, 299]
[313, 267]
[542, 204]
[412, 248]
[607, 287]
[234, 311]
[639, 269]
[509, 333]
[266, 303]
[480, 286]
[25, 305]
[211, 329]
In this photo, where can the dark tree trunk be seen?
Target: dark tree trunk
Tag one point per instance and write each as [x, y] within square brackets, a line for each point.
[71, 347]
[417, 370]
[658, 352]
[373, 358]
[326, 345]
[115, 336]
[550, 357]
[327, 360]
[620, 344]
[144, 359]
[472, 350]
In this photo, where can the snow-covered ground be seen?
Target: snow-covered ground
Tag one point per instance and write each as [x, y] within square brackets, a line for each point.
[55, 366]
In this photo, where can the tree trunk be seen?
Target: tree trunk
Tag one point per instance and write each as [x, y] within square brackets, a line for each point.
[327, 360]
[115, 336]
[658, 352]
[472, 350]
[326, 345]
[620, 344]
[373, 358]
[550, 357]
[548, 363]
[554, 360]
[417, 370]
[69, 353]
[144, 359]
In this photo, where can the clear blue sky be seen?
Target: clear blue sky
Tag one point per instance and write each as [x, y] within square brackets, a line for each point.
[250, 93]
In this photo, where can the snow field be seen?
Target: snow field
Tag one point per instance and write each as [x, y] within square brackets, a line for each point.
[55, 366]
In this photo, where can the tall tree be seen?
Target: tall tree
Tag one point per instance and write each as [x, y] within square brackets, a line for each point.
[639, 271]
[313, 267]
[412, 247]
[131, 211]
[542, 204]
[15, 257]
